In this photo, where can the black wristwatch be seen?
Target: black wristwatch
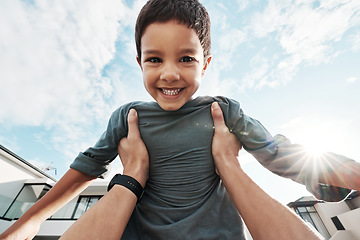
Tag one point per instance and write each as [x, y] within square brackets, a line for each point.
[130, 183]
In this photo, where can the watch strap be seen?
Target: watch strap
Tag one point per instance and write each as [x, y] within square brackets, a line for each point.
[129, 182]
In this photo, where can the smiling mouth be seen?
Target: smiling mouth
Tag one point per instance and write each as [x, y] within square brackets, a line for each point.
[171, 92]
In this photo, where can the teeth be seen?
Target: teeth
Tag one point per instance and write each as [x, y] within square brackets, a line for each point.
[171, 92]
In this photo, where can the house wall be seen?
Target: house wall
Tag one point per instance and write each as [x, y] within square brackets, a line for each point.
[343, 235]
[328, 210]
[54, 227]
[351, 222]
[11, 171]
[12, 178]
[14, 171]
[48, 228]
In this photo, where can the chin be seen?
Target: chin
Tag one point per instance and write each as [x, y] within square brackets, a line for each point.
[170, 107]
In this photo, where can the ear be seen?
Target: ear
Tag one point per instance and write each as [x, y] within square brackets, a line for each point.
[139, 62]
[206, 64]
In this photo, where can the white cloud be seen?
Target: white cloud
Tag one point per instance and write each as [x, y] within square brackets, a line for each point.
[351, 79]
[51, 63]
[355, 40]
[242, 4]
[305, 34]
[53, 55]
[285, 70]
[258, 73]
[227, 48]
[292, 34]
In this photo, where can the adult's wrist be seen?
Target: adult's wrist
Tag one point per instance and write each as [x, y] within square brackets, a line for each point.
[227, 164]
[140, 174]
[33, 215]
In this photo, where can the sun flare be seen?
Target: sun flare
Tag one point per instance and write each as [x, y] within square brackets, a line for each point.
[317, 135]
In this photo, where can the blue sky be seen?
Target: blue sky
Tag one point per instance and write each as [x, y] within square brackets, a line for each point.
[66, 65]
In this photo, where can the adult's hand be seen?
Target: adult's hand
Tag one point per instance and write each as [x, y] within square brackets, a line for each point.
[133, 153]
[225, 145]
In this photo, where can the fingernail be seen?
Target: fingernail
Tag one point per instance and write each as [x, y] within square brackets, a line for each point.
[132, 112]
[215, 105]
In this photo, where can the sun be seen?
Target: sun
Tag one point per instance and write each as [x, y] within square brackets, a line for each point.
[316, 134]
[317, 146]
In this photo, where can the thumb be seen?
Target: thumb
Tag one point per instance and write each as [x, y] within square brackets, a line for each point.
[218, 117]
[133, 124]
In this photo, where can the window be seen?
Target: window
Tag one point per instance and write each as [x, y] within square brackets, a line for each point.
[73, 211]
[31, 193]
[310, 215]
[337, 223]
[28, 195]
[84, 203]
[65, 213]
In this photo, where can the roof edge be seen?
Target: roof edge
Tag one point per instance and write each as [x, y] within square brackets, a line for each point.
[27, 163]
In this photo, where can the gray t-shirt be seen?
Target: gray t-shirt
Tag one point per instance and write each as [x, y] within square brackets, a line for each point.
[184, 197]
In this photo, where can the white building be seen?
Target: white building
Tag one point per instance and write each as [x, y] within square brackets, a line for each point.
[335, 221]
[22, 184]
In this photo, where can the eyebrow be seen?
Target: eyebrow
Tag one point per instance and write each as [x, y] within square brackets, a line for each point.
[182, 51]
[151, 52]
[188, 50]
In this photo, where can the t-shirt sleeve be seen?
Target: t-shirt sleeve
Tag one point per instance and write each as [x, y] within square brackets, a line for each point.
[250, 132]
[283, 158]
[95, 160]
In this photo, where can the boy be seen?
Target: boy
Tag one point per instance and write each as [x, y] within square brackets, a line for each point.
[183, 198]
[225, 149]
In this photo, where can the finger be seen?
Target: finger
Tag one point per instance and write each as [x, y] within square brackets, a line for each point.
[218, 117]
[133, 124]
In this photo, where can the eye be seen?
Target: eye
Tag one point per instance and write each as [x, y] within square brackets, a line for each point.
[187, 59]
[153, 60]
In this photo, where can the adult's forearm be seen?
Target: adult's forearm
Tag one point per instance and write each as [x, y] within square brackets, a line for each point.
[265, 217]
[107, 218]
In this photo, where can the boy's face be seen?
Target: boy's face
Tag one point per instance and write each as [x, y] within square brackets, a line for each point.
[172, 63]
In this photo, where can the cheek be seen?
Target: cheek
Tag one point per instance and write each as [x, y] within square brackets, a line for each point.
[197, 75]
[193, 73]
[149, 81]
[197, 84]
[149, 75]
[145, 75]
[145, 81]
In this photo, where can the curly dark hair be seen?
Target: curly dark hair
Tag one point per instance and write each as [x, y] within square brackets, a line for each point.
[189, 12]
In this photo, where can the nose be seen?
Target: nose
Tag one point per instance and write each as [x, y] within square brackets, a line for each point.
[170, 73]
